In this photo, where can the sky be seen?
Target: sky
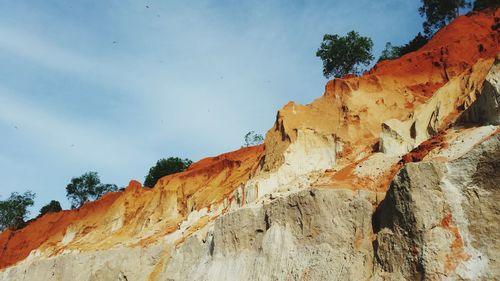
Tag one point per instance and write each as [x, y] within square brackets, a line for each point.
[113, 86]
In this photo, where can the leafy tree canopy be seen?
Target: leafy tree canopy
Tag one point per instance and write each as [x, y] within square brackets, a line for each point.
[165, 167]
[390, 52]
[485, 4]
[86, 188]
[14, 210]
[342, 55]
[393, 52]
[53, 206]
[439, 13]
[251, 138]
[416, 43]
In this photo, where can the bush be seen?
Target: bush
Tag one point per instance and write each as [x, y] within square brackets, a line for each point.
[85, 188]
[165, 167]
[416, 43]
[439, 13]
[485, 4]
[344, 55]
[389, 53]
[251, 139]
[54, 206]
[393, 52]
[14, 210]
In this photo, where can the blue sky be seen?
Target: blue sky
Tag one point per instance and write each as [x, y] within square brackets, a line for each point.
[113, 86]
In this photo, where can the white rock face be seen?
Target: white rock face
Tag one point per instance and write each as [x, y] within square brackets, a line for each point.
[309, 235]
[486, 110]
[309, 154]
[114, 264]
[441, 220]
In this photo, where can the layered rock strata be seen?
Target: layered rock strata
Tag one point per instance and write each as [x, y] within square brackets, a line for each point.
[389, 176]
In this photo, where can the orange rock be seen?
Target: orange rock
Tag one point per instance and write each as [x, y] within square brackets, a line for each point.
[352, 109]
[206, 182]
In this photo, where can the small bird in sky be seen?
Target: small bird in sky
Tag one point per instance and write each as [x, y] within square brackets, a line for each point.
[147, 7]
[15, 127]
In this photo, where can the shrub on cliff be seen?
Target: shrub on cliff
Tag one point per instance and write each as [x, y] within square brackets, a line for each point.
[342, 55]
[390, 52]
[165, 167]
[438, 13]
[485, 4]
[85, 188]
[14, 210]
[393, 52]
[416, 43]
[251, 139]
[53, 206]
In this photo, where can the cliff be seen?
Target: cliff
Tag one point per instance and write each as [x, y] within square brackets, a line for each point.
[389, 176]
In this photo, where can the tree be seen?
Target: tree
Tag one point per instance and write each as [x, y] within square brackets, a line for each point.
[85, 188]
[342, 55]
[251, 138]
[439, 13]
[53, 206]
[416, 43]
[390, 52]
[14, 210]
[393, 52]
[165, 167]
[485, 4]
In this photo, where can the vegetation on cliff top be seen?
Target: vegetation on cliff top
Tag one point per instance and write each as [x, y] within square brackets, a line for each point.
[342, 55]
[14, 210]
[85, 188]
[164, 167]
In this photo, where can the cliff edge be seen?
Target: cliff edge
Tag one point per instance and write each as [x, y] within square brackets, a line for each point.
[392, 175]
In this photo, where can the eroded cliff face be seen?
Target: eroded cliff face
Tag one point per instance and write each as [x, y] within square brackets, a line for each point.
[388, 176]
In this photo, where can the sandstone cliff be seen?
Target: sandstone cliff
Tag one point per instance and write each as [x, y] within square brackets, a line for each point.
[393, 175]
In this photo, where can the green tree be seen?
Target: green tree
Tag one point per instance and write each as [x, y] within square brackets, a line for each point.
[416, 43]
[485, 4]
[14, 210]
[85, 188]
[53, 206]
[342, 55]
[251, 138]
[165, 167]
[393, 52]
[438, 13]
[390, 52]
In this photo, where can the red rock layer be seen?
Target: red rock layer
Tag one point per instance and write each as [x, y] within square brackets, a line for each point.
[158, 210]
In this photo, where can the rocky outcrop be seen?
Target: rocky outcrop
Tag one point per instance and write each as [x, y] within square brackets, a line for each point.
[309, 235]
[474, 87]
[441, 220]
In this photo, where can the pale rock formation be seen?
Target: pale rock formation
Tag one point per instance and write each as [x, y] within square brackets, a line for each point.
[309, 235]
[441, 220]
[399, 137]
